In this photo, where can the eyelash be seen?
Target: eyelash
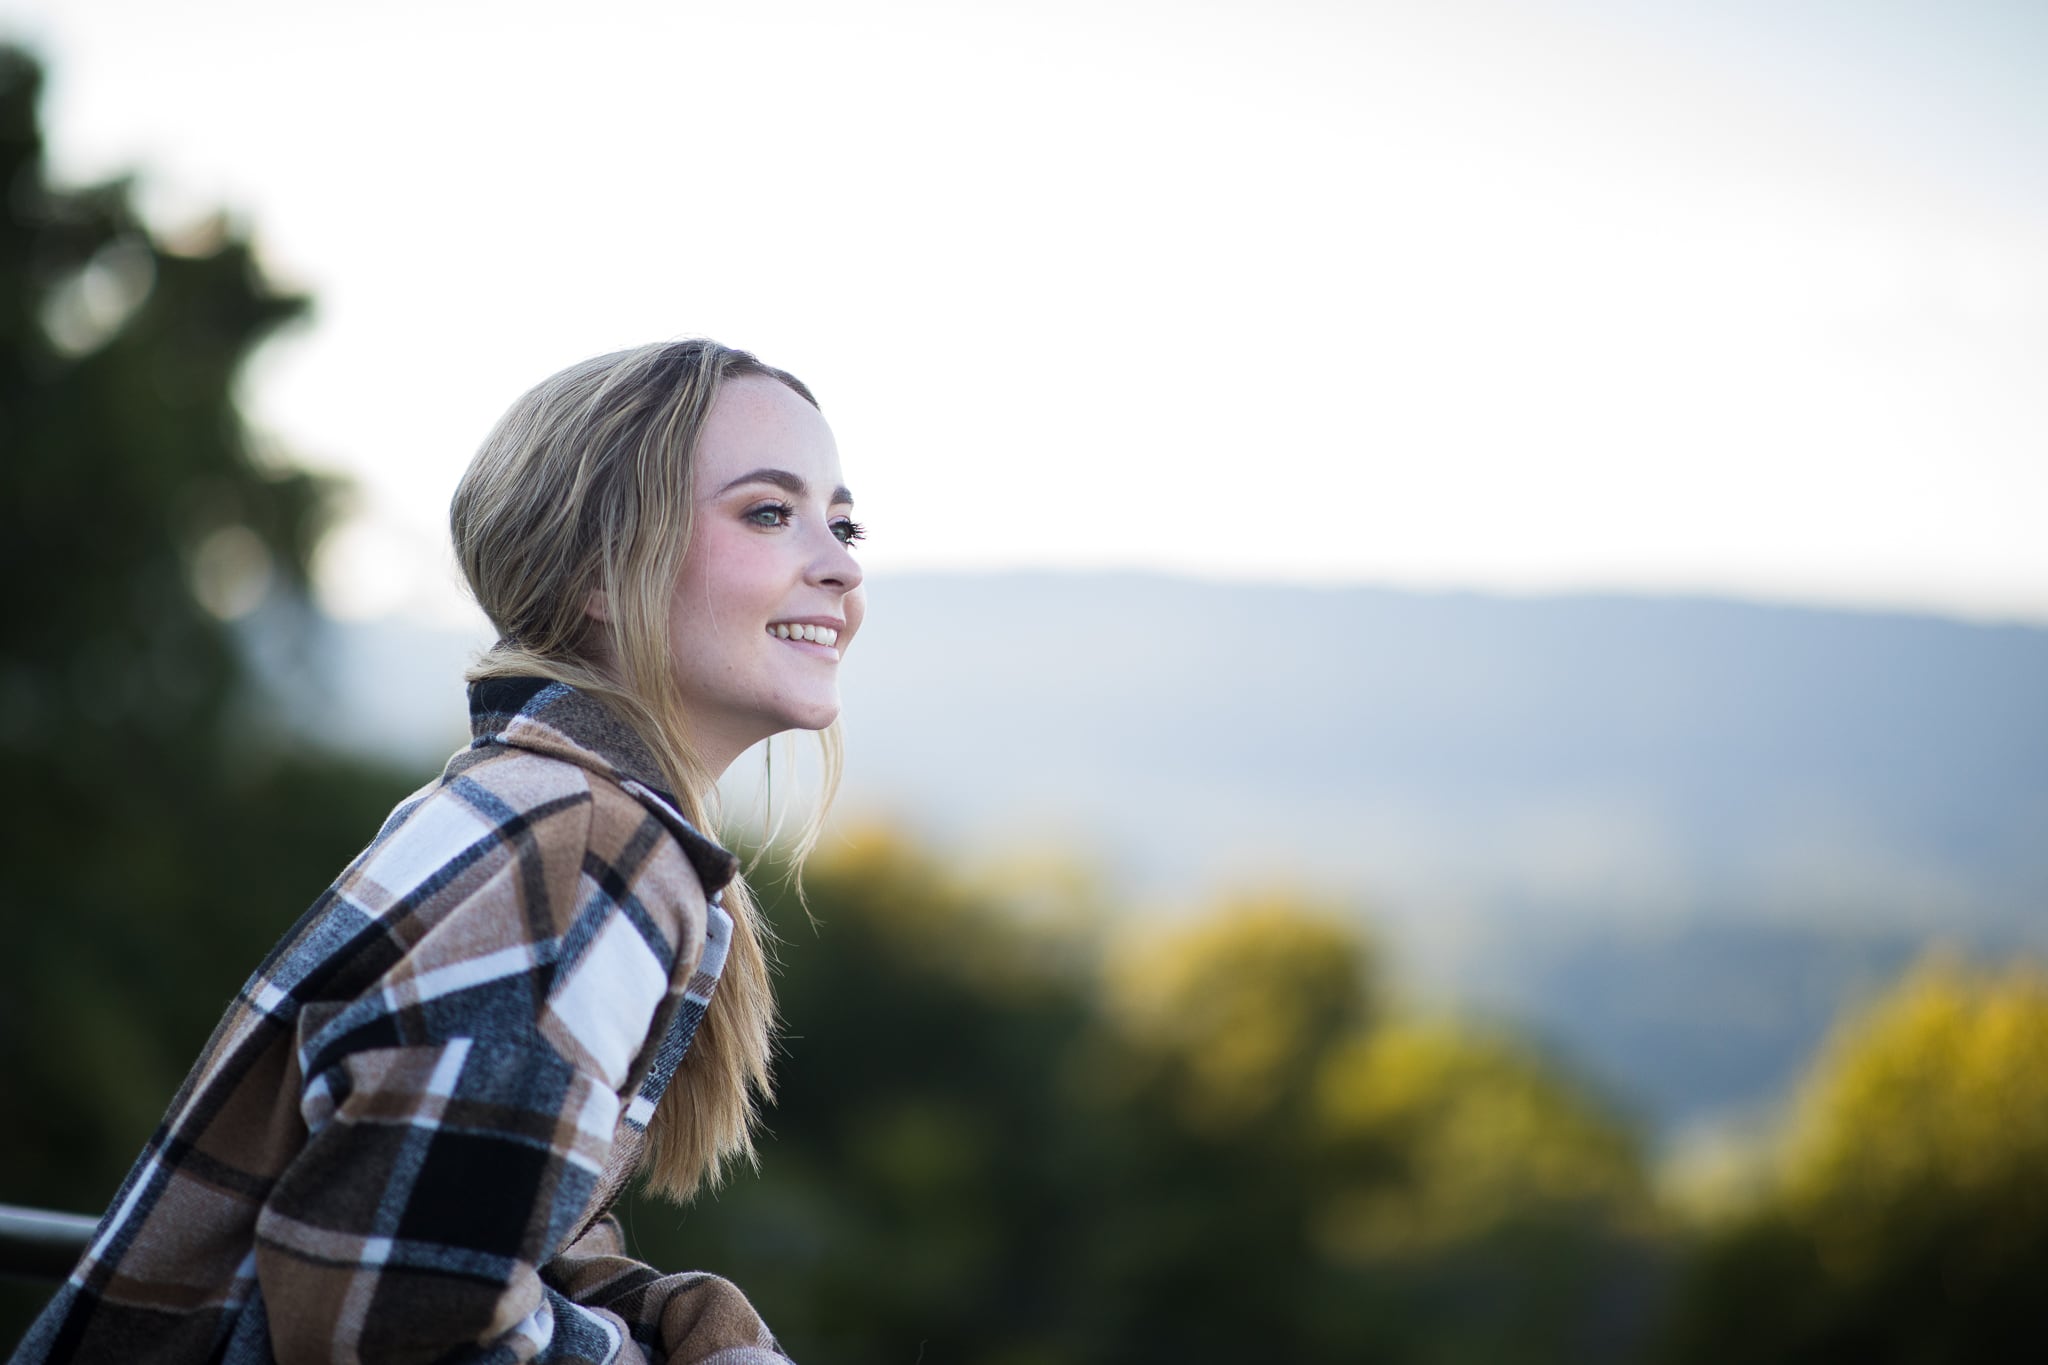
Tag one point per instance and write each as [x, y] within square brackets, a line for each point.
[847, 529]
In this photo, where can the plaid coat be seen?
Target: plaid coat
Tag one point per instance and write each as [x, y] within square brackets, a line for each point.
[402, 1141]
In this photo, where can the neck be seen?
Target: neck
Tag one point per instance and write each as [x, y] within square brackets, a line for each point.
[716, 750]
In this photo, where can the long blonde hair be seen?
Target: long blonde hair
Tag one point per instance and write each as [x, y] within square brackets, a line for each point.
[585, 487]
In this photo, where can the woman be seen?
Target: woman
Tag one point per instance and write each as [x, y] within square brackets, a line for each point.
[403, 1140]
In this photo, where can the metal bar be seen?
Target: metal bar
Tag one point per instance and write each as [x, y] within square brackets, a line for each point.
[41, 1244]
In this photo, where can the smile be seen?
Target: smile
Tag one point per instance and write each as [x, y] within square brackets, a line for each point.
[819, 635]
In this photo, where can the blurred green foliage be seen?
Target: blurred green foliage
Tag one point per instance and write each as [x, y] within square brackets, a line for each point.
[1003, 1137]
[1908, 1216]
[159, 833]
[1203, 1141]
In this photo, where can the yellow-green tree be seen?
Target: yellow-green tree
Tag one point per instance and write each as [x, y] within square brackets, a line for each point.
[1229, 1020]
[1910, 1218]
[1487, 1134]
[1365, 1186]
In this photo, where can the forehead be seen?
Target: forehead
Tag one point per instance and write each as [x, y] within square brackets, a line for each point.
[761, 423]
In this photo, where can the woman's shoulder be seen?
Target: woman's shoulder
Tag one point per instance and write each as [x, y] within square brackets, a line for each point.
[542, 799]
[518, 890]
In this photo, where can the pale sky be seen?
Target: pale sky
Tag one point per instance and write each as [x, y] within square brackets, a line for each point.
[1739, 297]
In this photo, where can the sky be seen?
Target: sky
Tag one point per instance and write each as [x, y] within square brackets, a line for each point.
[1516, 295]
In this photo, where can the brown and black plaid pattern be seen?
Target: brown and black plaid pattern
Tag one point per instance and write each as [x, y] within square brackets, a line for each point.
[401, 1142]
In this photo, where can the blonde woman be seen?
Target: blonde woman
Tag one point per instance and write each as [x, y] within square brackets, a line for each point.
[403, 1140]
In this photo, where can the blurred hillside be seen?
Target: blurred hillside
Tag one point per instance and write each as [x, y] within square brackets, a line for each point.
[1674, 836]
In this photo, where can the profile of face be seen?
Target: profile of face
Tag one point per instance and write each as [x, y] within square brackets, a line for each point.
[769, 596]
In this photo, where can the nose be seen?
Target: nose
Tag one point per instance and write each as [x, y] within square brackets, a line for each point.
[834, 565]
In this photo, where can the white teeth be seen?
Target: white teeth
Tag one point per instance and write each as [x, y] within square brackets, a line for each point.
[821, 635]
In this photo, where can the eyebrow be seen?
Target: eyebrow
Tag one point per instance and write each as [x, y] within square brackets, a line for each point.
[787, 482]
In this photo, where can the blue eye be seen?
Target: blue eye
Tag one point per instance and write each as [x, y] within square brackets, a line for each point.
[849, 531]
[770, 514]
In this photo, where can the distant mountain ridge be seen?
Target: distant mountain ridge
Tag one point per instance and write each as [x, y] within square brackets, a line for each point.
[1539, 801]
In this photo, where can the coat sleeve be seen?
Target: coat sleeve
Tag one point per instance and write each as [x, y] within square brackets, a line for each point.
[689, 1319]
[460, 1111]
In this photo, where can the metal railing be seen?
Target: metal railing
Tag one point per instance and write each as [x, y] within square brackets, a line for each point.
[41, 1244]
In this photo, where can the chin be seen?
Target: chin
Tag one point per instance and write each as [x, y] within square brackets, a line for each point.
[810, 717]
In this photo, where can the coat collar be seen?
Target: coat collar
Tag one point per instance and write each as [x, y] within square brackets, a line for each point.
[556, 720]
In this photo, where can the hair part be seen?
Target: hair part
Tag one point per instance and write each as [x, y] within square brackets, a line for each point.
[583, 493]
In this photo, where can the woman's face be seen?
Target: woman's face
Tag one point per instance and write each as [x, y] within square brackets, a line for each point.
[769, 596]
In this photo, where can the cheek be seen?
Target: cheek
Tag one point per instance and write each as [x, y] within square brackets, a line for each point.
[725, 576]
[855, 607]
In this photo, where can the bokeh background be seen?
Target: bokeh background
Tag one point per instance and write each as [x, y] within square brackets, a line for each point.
[1450, 761]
